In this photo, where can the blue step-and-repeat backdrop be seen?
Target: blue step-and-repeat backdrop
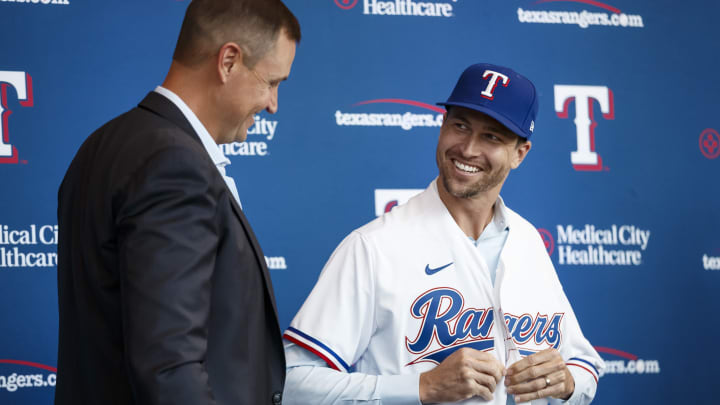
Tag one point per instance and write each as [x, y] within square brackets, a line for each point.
[622, 181]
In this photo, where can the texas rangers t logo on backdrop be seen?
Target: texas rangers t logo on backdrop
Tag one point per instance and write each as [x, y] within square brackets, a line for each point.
[494, 76]
[22, 82]
[585, 157]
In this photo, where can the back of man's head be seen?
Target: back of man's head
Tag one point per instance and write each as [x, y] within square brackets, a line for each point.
[254, 25]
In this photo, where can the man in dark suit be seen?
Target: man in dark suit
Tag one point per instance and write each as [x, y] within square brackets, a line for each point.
[164, 295]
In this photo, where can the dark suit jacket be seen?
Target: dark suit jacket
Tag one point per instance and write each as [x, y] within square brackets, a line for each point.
[164, 295]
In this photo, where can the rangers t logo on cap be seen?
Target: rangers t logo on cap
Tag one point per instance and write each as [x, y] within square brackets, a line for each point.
[514, 103]
[488, 92]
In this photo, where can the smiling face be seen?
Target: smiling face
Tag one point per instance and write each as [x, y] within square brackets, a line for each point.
[247, 91]
[475, 153]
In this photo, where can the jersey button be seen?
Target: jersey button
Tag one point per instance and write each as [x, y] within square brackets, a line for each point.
[277, 398]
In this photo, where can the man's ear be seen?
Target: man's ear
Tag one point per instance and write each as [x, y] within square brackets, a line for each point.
[229, 59]
[520, 152]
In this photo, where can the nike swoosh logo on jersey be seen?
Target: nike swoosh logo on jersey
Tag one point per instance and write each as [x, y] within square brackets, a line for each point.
[430, 271]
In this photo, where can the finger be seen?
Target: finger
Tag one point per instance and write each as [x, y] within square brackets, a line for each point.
[478, 384]
[490, 367]
[533, 385]
[533, 359]
[484, 393]
[480, 355]
[550, 391]
[530, 390]
[535, 371]
[557, 377]
[487, 381]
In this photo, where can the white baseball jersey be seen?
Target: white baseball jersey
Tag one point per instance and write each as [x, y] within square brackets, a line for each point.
[403, 292]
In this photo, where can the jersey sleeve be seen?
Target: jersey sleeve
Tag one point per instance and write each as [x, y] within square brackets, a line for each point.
[581, 358]
[338, 318]
[310, 381]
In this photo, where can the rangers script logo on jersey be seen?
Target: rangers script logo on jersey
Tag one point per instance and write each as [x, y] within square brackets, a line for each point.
[446, 322]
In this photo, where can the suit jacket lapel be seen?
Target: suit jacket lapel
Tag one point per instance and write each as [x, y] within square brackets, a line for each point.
[160, 105]
[258, 252]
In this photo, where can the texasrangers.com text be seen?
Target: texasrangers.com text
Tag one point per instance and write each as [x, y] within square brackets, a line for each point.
[638, 366]
[405, 121]
[582, 19]
[59, 2]
[15, 381]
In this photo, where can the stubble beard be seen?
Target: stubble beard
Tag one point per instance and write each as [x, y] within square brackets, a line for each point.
[482, 185]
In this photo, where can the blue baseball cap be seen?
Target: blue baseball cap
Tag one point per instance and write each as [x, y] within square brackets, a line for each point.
[499, 92]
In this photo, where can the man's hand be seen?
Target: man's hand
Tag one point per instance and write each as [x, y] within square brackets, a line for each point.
[543, 374]
[464, 374]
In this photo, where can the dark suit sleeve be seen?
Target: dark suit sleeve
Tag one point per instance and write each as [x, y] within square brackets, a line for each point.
[167, 242]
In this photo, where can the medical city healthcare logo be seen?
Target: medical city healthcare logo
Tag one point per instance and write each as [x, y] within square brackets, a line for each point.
[585, 157]
[583, 19]
[21, 82]
[406, 121]
[548, 240]
[401, 7]
[590, 245]
[28, 246]
[256, 144]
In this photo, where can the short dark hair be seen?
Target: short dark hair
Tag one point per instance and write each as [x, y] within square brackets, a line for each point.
[253, 24]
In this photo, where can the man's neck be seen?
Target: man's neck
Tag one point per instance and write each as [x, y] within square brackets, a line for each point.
[471, 214]
[192, 87]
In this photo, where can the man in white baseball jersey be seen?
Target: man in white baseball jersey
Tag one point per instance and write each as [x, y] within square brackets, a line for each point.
[451, 297]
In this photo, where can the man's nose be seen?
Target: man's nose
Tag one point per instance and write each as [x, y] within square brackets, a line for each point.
[272, 106]
[471, 146]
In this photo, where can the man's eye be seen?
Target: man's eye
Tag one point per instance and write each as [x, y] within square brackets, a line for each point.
[461, 126]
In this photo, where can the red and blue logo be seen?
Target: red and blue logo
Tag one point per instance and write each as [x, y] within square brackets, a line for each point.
[447, 323]
[346, 4]
[22, 83]
[710, 143]
[548, 240]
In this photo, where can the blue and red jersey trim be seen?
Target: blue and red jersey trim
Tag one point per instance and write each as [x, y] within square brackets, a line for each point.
[585, 365]
[317, 347]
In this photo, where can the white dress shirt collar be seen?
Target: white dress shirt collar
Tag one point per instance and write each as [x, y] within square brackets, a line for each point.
[212, 148]
[217, 156]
